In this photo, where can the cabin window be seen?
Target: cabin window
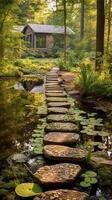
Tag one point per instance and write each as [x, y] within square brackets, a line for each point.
[41, 41]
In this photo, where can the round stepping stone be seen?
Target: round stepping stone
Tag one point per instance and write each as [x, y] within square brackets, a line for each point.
[61, 110]
[56, 94]
[60, 118]
[62, 194]
[61, 138]
[64, 173]
[64, 153]
[59, 126]
[59, 104]
[57, 99]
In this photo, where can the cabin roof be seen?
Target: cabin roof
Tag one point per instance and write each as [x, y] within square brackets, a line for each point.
[42, 28]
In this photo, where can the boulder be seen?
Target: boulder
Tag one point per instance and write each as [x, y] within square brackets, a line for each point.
[58, 174]
[64, 153]
[61, 138]
[62, 194]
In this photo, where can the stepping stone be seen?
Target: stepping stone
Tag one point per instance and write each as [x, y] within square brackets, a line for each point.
[64, 153]
[59, 104]
[60, 118]
[52, 84]
[57, 99]
[58, 174]
[56, 95]
[62, 194]
[54, 110]
[59, 126]
[55, 91]
[61, 138]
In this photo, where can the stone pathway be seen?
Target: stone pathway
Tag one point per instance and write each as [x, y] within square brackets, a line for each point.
[61, 133]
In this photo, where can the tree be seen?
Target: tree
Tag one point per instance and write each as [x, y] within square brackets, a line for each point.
[82, 20]
[65, 29]
[109, 23]
[100, 33]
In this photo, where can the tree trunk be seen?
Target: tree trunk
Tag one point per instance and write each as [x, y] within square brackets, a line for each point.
[82, 20]
[109, 24]
[65, 31]
[100, 34]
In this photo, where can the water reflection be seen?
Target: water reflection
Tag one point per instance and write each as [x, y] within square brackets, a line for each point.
[17, 115]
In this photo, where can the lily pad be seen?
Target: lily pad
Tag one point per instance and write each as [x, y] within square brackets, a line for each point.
[28, 189]
[85, 184]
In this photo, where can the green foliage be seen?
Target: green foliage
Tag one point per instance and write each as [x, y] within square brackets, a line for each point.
[89, 179]
[28, 189]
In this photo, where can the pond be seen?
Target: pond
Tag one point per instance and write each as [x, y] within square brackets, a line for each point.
[19, 102]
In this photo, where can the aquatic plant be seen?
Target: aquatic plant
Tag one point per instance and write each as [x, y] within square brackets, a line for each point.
[28, 189]
[89, 179]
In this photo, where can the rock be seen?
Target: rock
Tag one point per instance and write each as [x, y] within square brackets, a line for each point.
[61, 138]
[56, 94]
[57, 110]
[57, 99]
[59, 126]
[103, 164]
[54, 91]
[59, 104]
[63, 153]
[63, 194]
[60, 118]
[53, 88]
[64, 173]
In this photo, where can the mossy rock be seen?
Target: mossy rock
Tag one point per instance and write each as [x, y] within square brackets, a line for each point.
[60, 118]
[56, 99]
[59, 126]
[57, 110]
[61, 138]
[58, 174]
[28, 189]
[63, 194]
[59, 104]
[64, 153]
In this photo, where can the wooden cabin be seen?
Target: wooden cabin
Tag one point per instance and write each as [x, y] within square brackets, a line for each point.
[40, 37]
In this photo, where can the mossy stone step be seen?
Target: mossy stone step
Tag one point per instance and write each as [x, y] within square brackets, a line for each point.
[56, 94]
[60, 118]
[61, 138]
[57, 99]
[54, 110]
[59, 126]
[59, 104]
[55, 91]
[64, 153]
[62, 194]
[58, 174]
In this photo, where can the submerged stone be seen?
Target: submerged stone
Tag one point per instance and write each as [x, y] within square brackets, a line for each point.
[57, 110]
[60, 118]
[61, 138]
[56, 94]
[59, 126]
[58, 174]
[62, 194]
[64, 153]
[57, 99]
[59, 104]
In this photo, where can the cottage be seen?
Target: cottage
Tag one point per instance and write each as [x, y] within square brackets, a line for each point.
[42, 37]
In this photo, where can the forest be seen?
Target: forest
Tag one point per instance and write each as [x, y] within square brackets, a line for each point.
[56, 99]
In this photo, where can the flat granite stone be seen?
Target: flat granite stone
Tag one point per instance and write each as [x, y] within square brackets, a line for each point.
[56, 94]
[57, 174]
[61, 138]
[57, 99]
[60, 118]
[59, 126]
[64, 153]
[55, 110]
[59, 104]
[62, 194]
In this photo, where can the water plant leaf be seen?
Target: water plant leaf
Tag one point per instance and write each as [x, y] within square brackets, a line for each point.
[91, 173]
[28, 189]
[85, 184]
[103, 133]
[93, 180]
